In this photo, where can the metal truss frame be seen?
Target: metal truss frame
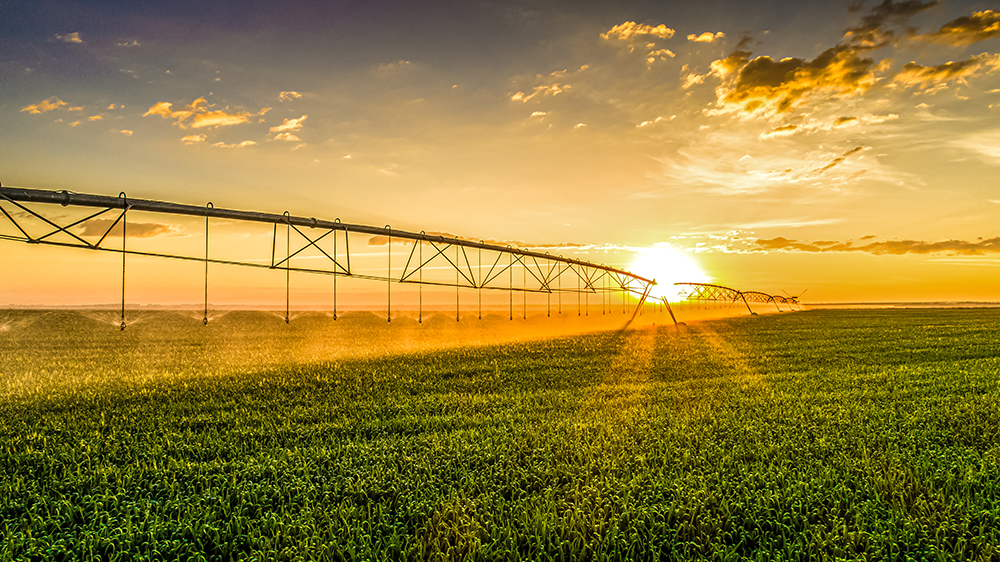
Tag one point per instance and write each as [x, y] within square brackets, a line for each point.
[541, 272]
[710, 292]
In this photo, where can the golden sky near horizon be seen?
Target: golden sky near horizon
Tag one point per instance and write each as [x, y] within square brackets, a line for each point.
[850, 149]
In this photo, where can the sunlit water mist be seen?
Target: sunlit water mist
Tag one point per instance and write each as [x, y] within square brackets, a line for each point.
[67, 351]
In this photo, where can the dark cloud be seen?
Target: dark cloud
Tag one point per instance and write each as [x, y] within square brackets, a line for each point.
[875, 29]
[937, 77]
[767, 86]
[97, 227]
[965, 30]
[837, 160]
[887, 247]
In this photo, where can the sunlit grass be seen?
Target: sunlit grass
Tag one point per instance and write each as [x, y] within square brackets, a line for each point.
[845, 434]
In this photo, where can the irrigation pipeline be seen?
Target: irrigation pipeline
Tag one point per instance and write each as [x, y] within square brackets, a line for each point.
[707, 292]
[542, 272]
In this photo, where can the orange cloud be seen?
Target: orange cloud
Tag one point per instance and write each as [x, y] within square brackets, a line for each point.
[889, 247]
[766, 86]
[837, 160]
[97, 227]
[934, 78]
[630, 29]
[289, 96]
[201, 117]
[218, 119]
[966, 30]
[50, 104]
[235, 144]
[540, 91]
[70, 37]
[707, 37]
[289, 125]
[661, 54]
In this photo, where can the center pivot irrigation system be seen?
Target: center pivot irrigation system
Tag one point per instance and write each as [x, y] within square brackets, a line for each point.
[430, 259]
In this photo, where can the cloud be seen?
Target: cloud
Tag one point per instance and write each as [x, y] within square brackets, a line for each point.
[965, 30]
[128, 43]
[50, 104]
[219, 119]
[193, 139]
[707, 37]
[200, 114]
[95, 118]
[289, 125]
[837, 160]
[540, 91]
[662, 54]
[97, 227]
[783, 131]
[551, 85]
[631, 29]
[935, 78]
[986, 145]
[789, 223]
[388, 69]
[652, 122]
[126, 132]
[287, 137]
[70, 37]
[764, 87]
[887, 247]
[289, 96]
[816, 125]
[235, 145]
[874, 31]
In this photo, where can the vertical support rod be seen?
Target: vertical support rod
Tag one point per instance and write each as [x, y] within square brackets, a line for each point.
[204, 319]
[510, 282]
[124, 236]
[524, 285]
[288, 265]
[456, 284]
[480, 282]
[420, 287]
[334, 274]
[388, 279]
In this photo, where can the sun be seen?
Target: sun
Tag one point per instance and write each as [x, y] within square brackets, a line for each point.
[667, 266]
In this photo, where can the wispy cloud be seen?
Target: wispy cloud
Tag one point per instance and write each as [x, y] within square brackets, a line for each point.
[235, 144]
[886, 247]
[70, 37]
[200, 114]
[965, 30]
[935, 78]
[707, 37]
[50, 104]
[289, 96]
[550, 85]
[97, 227]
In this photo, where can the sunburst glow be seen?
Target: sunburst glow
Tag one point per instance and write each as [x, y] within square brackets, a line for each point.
[667, 266]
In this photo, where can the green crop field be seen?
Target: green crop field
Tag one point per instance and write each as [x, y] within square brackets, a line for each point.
[853, 434]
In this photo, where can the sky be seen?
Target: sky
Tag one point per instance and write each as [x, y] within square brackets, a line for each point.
[847, 149]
